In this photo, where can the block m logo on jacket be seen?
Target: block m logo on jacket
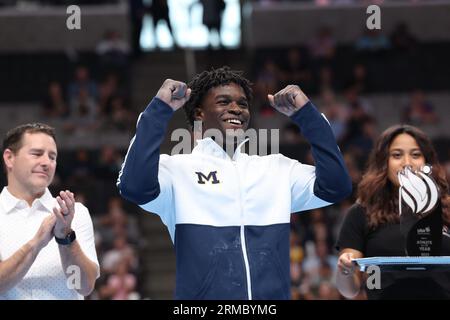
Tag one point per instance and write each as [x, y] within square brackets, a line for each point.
[212, 175]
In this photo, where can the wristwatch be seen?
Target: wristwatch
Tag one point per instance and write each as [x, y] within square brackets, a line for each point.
[68, 239]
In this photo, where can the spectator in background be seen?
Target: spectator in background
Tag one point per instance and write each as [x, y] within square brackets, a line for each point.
[295, 70]
[114, 111]
[326, 80]
[113, 52]
[121, 252]
[136, 14]
[83, 113]
[108, 163]
[54, 104]
[121, 118]
[81, 81]
[322, 47]
[267, 81]
[83, 107]
[116, 222]
[81, 168]
[359, 79]
[406, 58]
[361, 144]
[327, 291]
[108, 89]
[160, 11]
[359, 111]
[121, 284]
[212, 17]
[113, 46]
[419, 111]
[353, 100]
[402, 39]
[325, 257]
[354, 165]
[335, 112]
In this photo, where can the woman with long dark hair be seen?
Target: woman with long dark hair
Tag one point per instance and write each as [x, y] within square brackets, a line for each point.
[372, 226]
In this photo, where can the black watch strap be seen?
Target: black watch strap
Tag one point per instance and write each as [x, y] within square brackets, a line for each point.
[68, 239]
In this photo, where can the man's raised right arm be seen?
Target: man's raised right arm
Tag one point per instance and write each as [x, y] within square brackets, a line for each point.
[138, 178]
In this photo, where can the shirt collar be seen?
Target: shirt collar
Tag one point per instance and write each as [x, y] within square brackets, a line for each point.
[210, 147]
[9, 202]
[47, 200]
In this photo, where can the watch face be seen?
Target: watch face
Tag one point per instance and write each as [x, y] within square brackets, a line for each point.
[68, 239]
[71, 236]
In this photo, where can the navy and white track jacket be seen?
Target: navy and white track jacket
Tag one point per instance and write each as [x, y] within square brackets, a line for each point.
[229, 219]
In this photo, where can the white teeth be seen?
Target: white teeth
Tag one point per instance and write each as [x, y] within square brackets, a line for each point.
[234, 121]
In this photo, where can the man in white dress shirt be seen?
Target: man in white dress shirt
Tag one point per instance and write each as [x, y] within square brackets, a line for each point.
[47, 248]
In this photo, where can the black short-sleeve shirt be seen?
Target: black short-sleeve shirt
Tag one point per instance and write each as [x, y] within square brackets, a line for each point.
[387, 240]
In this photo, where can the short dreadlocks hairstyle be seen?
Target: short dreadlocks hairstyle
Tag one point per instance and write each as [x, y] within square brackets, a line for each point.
[206, 80]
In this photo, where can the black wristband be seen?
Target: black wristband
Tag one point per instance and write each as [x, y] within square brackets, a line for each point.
[68, 239]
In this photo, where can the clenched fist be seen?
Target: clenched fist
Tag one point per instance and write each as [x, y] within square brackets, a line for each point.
[174, 93]
[288, 100]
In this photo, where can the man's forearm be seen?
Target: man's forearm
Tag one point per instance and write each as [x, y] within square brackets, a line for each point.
[138, 178]
[13, 269]
[72, 255]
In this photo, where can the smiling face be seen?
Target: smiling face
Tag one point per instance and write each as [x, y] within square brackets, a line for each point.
[31, 168]
[225, 108]
[403, 151]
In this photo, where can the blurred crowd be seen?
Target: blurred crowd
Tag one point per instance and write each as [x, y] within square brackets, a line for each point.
[99, 99]
[101, 103]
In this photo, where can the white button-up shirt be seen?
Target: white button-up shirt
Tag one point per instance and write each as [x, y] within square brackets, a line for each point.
[46, 278]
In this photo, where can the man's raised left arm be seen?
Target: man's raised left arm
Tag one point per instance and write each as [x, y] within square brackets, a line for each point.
[73, 258]
[333, 183]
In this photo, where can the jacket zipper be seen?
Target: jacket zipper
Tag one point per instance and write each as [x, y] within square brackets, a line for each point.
[243, 243]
